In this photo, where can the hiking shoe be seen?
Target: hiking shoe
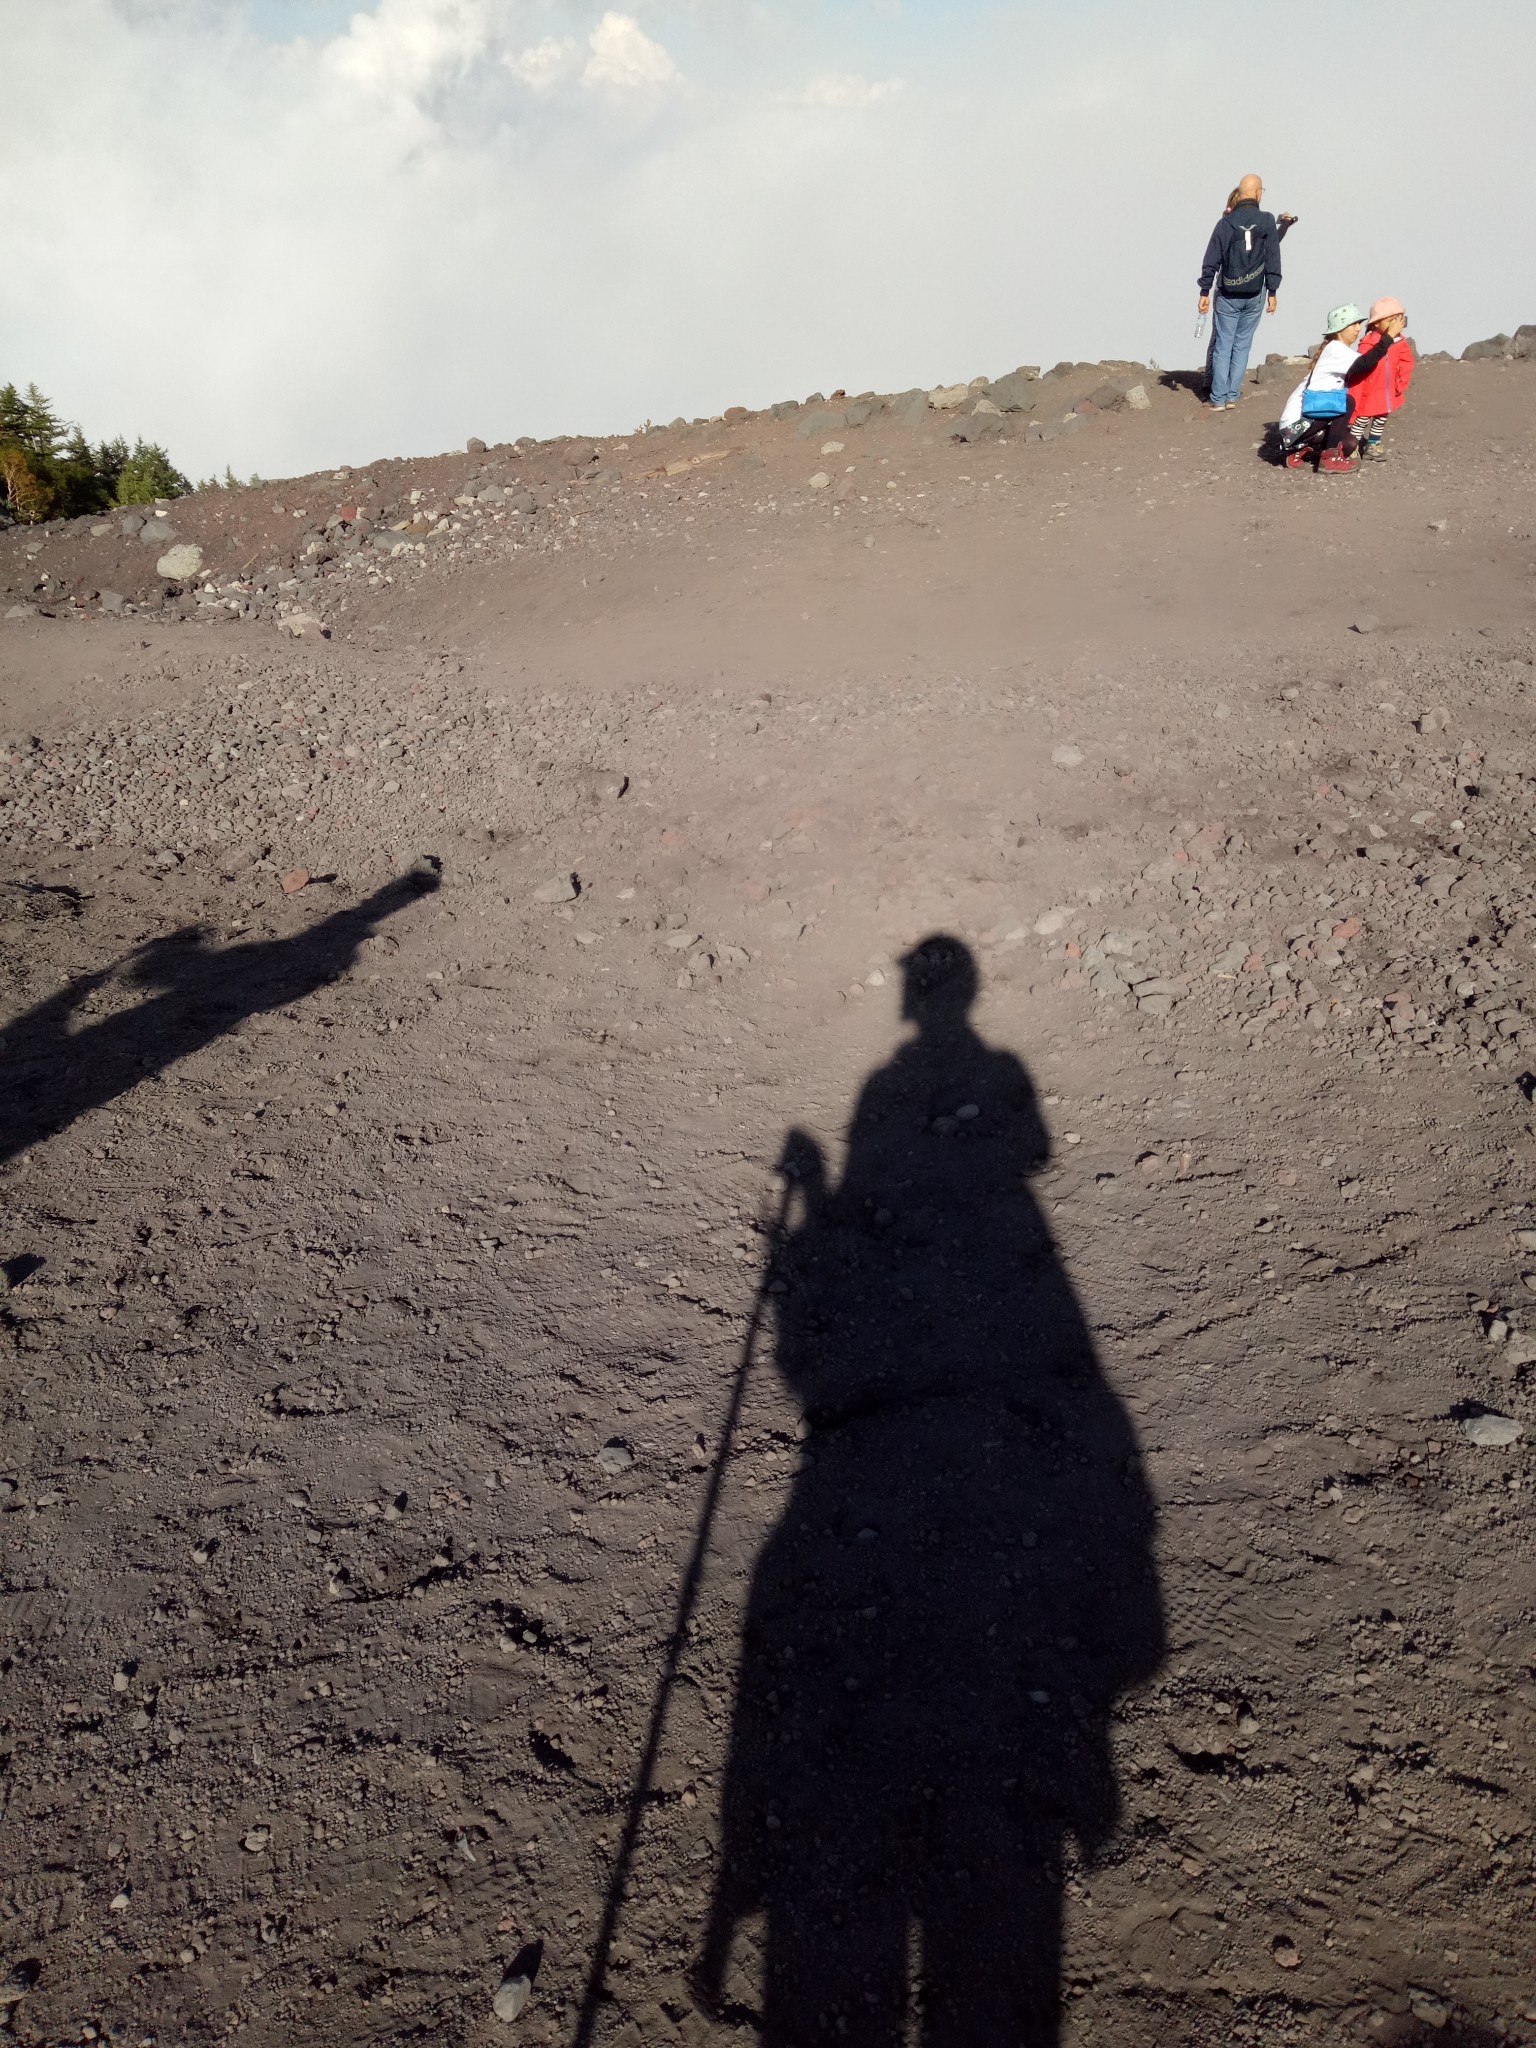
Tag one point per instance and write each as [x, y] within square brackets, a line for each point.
[1373, 451]
[1297, 459]
[1332, 463]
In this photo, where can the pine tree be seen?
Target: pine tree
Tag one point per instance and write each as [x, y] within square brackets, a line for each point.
[148, 474]
[48, 469]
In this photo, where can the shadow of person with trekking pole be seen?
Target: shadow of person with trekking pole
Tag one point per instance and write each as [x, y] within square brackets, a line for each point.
[51, 1073]
[960, 1588]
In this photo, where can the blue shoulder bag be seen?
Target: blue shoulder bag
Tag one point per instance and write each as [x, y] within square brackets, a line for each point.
[1323, 405]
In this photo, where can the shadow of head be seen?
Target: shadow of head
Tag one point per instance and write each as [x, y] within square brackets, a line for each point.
[940, 982]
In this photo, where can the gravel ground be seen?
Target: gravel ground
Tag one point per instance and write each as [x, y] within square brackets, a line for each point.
[1020, 982]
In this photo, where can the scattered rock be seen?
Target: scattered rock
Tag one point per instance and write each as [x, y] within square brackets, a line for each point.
[563, 889]
[1491, 1431]
[511, 1997]
[831, 447]
[474, 445]
[256, 1840]
[295, 880]
[821, 481]
[1367, 622]
[1067, 756]
[615, 1457]
[1049, 922]
[180, 562]
[304, 626]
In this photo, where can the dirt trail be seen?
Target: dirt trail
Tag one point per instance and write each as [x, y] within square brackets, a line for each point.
[1098, 868]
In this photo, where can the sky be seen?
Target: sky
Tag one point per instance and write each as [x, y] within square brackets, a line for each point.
[291, 234]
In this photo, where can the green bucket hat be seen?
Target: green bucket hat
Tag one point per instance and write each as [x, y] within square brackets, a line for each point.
[1342, 317]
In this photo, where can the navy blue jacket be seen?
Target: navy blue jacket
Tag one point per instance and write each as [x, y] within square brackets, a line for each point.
[1243, 254]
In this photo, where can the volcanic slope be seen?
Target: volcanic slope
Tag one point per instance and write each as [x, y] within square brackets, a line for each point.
[1031, 935]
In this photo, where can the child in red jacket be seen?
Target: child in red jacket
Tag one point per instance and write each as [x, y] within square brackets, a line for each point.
[1384, 373]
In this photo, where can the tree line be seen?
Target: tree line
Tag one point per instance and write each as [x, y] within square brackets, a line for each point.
[48, 470]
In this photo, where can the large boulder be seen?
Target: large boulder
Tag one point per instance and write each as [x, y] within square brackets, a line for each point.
[1493, 350]
[978, 426]
[1114, 394]
[819, 423]
[1017, 392]
[180, 562]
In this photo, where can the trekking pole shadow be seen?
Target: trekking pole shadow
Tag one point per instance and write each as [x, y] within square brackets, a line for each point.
[799, 1166]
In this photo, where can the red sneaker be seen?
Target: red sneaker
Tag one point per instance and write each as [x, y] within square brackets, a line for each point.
[1334, 463]
[1297, 459]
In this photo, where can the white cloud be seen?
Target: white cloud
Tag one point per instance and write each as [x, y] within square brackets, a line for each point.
[625, 57]
[508, 216]
[547, 64]
[839, 90]
[409, 46]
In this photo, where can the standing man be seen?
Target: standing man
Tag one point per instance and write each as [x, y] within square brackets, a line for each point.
[1242, 262]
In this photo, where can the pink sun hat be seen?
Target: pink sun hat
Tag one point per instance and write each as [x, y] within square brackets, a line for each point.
[1385, 309]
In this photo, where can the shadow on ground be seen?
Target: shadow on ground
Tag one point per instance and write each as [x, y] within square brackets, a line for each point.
[54, 1073]
[961, 1585]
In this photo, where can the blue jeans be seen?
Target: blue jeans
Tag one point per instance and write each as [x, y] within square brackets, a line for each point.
[1234, 323]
